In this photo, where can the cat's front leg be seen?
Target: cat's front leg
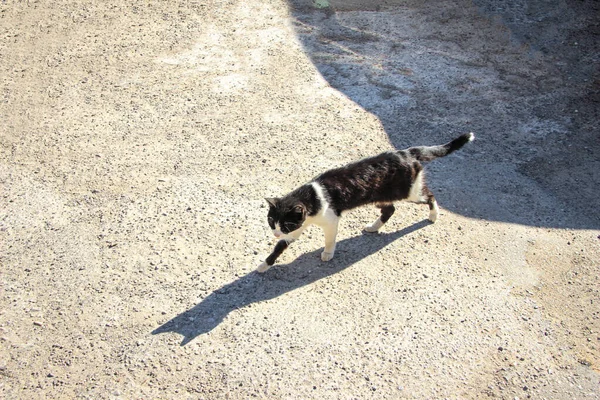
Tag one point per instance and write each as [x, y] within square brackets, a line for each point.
[279, 248]
[330, 232]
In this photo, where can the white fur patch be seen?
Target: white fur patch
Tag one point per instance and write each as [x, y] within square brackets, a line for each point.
[374, 227]
[277, 231]
[416, 190]
[327, 220]
[321, 195]
[326, 215]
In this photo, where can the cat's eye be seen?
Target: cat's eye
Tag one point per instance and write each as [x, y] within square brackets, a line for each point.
[271, 222]
[290, 226]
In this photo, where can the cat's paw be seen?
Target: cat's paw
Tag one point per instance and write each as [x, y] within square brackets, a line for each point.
[263, 267]
[325, 256]
[370, 228]
[433, 215]
[374, 227]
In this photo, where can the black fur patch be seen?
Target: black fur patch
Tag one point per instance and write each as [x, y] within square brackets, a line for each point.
[386, 212]
[279, 248]
[381, 179]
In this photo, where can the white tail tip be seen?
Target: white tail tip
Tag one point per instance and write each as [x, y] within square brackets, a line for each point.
[471, 136]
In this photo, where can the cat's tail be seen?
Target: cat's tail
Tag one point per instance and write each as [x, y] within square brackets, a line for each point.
[428, 153]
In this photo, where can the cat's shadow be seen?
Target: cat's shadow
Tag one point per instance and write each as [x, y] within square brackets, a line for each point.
[254, 287]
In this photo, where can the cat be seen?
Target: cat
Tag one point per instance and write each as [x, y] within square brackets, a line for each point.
[380, 180]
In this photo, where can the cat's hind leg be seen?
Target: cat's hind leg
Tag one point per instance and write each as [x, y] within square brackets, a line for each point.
[387, 210]
[420, 193]
[433, 206]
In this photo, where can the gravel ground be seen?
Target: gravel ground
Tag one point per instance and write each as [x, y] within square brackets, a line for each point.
[138, 140]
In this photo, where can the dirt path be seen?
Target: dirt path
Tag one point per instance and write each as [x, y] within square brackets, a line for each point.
[137, 143]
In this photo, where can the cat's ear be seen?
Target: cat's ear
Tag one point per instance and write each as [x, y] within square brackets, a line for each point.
[300, 209]
[272, 201]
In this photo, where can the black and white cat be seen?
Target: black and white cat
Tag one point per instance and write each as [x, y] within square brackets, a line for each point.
[379, 180]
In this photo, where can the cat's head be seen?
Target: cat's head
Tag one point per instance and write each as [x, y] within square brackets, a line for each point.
[285, 216]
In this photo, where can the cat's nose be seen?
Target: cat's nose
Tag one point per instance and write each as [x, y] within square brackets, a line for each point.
[277, 234]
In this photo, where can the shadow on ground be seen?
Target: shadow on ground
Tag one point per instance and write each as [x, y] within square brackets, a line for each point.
[255, 287]
[522, 75]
